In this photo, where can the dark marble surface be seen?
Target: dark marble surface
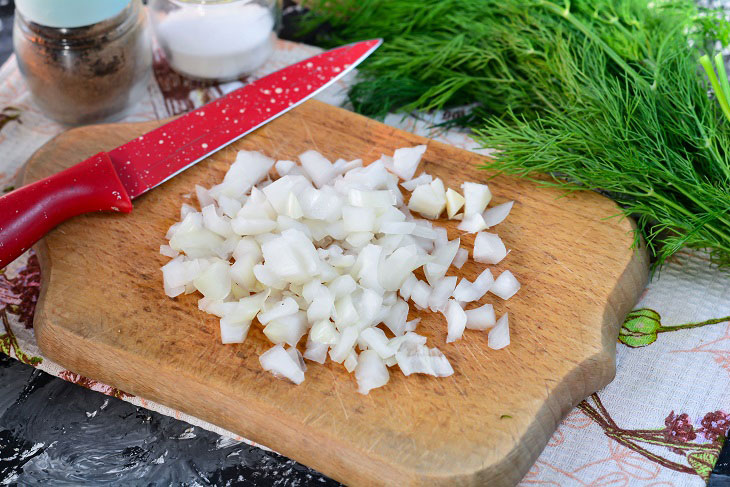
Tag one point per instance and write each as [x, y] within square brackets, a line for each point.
[53, 432]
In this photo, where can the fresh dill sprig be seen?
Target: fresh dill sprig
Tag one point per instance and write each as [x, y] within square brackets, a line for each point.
[603, 94]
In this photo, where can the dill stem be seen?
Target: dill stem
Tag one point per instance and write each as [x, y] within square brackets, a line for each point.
[684, 210]
[689, 194]
[707, 65]
[565, 13]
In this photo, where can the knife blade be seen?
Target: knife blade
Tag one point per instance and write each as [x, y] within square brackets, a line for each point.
[108, 181]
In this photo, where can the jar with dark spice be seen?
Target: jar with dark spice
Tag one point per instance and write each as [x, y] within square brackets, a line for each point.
[85, 61]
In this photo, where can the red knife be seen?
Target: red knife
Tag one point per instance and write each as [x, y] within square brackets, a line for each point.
[109, 181]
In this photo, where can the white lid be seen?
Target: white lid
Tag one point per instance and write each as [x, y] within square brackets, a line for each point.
[69, 13]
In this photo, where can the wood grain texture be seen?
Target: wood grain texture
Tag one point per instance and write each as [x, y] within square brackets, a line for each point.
[102, 313]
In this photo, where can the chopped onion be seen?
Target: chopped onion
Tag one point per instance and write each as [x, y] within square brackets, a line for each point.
[284, 167]
[358, 219]
[505, 286]
[347, 340]
[428, 201]
[472, 224]
[468, 292]
[350, 362]
[376, 340]
[277, 361]
[420, 294]
[496, 215]
[317, 167]
[456, 320]
[332, 252]
[460, 258]
[476, 198]
[406, 159]
[480, 318]
[488, 248]
[419, 359]
[287, 329]
[411, 184]
[316, 352]
[233, 332]
[278, 310]
[168, 251]
[370, 372]
[441, 293]
[499, 335]
[454, 202]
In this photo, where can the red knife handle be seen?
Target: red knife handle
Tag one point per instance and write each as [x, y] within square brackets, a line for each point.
[30, 212]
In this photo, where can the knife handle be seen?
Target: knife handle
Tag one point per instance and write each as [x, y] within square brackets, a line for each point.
[30, 212]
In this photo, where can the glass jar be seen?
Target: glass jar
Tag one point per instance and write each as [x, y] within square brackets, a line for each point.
[85, 61]
[218, 40]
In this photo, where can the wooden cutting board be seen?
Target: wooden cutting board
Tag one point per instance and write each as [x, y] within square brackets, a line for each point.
[102, 313]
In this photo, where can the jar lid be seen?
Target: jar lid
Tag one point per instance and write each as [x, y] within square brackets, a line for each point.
[69, 13]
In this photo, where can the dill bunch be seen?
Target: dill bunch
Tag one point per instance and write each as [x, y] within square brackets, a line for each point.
[604, 95]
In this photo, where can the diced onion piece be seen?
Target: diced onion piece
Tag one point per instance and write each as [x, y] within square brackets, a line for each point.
[480, 318]
[252, 226]
[489, 248]
[460, 258]
[476, 198]
[419, 359]
[441, 293]
[499, 335]
[284, 167]
[468, 292]
[496, 215]
[280, 309]
[472, 224]
[215, 281]
[324, 332]
[350, 362]
[348, 337]
[168, 251]
[317, 167]
[454, 202]
[204, 197]
[229, 206]
[280, 363]
[406, 159]
[407, 287]
[233, 332]
[376, 340]
[455, 319]
[371, 372]
[411, 184]
[342, 285]
[427, 201]
[345, 313]
[293, 208]
[287, 329]
[215, 223]
[396, 318]
[358, 219]
[505, 286]
[420, 294]
[316, 352]
[277, 193]
[398, 228]
[413, 324]
[371, 199]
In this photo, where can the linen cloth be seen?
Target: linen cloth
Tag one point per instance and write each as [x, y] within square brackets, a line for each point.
[661, 422]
